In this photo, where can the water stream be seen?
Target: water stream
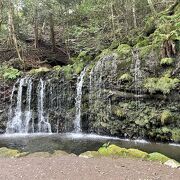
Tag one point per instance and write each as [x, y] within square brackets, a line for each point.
[77, 122]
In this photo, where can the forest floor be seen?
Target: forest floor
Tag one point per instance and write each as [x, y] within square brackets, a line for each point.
[76, 168]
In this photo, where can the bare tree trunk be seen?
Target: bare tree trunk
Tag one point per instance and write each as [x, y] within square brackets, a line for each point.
[112, 18]
[152, 7]
[134, 13]
[51, 23]
[12, 32]
[1, 13]
[36, 32]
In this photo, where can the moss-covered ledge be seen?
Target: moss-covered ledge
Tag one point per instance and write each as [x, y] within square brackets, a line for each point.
[118, 152]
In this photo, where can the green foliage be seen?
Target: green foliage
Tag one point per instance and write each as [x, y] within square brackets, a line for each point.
[57, 68]
[167, 61]
[9, 73]
[118, 111]
[176, 135]
[68, 71]
[164, 84]
[166, 117]
[78, 67]
[123, 49]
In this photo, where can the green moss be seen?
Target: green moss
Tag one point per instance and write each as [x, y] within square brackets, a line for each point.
[176, 135]
[9, 73]
[137, 153]
[68, 71]
[164, 84]
[123, 49]
[145, 51]
[104, 53]
[39, 71]
[167, 61]
[83, 56]
[166, 117]
[125, 77]
[158, 157]
[114, 150]
[78, 67]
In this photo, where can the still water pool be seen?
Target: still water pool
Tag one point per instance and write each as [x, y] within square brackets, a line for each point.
[78, 143]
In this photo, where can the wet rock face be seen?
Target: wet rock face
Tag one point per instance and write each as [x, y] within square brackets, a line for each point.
[5, 93]
[120, 97]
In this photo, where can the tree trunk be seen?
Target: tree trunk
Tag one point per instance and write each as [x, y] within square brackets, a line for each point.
[152, 7]
[36, 32]
[1, 13]
[12, 33]
[51, 23]
[134, 13]
[112, 18]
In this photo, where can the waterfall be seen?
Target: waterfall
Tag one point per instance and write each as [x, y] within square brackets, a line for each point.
[77, 122]
[99, 84]
[28, 113]
[137, 76]
[20, 118]
[43, 122]
[14, 124]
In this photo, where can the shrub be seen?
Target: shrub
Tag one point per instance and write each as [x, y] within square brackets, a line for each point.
[166, 117]
[164, 84]
[126, 77]
[167, 61]
[9, 73]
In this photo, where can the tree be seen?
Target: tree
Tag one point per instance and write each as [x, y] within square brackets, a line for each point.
[12, 33]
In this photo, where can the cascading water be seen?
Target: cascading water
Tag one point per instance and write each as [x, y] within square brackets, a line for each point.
[21, 118]
[15, 119]
[77, 122]
[43, 122]
[28, 113]
[137, 75]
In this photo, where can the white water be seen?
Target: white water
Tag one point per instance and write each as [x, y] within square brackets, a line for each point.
[43, 122]
[15, 123]
[77, 122]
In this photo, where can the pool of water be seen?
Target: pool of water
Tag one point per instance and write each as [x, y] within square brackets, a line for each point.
[78, 143]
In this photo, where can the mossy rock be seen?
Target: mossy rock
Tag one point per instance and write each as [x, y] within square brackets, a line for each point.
[158, 157]
[39, 71]
[90, 154]
[60, 153]
[172, 163]
[137, 153]
[112, 150]
[9, 153]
